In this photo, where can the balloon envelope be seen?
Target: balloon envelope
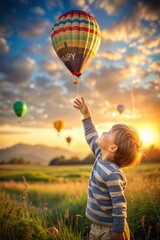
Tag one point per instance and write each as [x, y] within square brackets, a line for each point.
[59, 125]
[120, 108]
[76, 38]
[20, 108]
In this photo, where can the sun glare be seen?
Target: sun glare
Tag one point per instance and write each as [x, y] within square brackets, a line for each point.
[148, 136]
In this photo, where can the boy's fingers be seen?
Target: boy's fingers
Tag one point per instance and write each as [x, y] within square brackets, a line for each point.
[77, 104]
[75, 107]
[77, 100]
[83, 100]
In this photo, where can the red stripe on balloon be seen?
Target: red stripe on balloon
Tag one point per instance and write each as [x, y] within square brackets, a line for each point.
[79, 12]
[74, 28]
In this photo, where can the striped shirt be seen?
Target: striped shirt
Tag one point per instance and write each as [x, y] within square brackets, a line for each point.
[106, 203]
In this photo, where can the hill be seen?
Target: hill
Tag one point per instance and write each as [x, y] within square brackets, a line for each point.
[36, 154]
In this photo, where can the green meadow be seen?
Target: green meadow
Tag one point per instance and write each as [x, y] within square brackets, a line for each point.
[34, 198]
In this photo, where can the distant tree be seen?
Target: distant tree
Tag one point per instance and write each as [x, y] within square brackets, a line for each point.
[151, 155]
[73, 161]
[18, 161]
[57, 161]
[2, 162]
[63, 161]
[89, 159]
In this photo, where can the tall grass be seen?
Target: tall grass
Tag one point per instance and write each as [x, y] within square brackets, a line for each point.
[30, 208]
[18, 220]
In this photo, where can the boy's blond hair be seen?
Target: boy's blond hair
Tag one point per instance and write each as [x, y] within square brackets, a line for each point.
[128, 141]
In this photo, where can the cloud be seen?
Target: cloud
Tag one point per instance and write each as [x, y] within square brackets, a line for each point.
[17, 70]
[108, 78]
[83, 4]
[156, 66]
[123, 30]
[52, 67]
[38, 10]
[151, 10]
[4, 47]
[110, 7]
[45, 50]
[136, 59]
[112, 56]
[5, 30]
[153, 43]
[34, 29]
[50, 4]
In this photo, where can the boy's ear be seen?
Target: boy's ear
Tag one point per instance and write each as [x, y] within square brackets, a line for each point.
[113, 148]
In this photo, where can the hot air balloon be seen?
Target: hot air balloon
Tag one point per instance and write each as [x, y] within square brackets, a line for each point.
[68, 139]
[20, 108]
[76, 39]
[59, 125]
[120, 108]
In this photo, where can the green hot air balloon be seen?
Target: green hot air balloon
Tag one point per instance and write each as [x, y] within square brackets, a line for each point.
[20, 108]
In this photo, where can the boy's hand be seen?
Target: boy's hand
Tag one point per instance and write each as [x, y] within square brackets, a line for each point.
[81, 105]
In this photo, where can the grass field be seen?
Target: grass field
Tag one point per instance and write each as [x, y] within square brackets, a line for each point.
[57, 195]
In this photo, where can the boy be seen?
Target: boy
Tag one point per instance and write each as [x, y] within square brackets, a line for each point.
[106, 206]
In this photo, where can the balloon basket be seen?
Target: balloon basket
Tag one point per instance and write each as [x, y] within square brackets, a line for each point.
[75, 81]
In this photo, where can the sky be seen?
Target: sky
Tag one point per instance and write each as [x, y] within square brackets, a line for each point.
[125, 70]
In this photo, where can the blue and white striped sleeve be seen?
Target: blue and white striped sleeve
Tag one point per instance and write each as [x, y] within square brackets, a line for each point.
[91, 136]
[115, 183]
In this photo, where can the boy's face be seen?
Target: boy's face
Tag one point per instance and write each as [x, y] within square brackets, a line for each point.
[106, 140]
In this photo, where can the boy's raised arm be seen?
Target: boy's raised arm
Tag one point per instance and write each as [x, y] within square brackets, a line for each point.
[91, 134]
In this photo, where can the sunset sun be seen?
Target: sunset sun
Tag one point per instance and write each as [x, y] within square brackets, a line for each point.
[148, 136]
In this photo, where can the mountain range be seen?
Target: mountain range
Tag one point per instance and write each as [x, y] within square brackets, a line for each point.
[36, 154]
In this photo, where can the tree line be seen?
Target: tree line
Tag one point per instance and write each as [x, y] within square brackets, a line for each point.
[149, 155]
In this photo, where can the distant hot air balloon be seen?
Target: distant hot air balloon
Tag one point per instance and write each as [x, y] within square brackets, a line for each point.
[76, 39]
[68, 139]
[120, 108]
[59, 125]
[20, 108]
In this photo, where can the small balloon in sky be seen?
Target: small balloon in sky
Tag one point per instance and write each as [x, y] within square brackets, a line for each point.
[58, 125]
[68, 139]
[76, 39]
[120, 108]
[20, 108]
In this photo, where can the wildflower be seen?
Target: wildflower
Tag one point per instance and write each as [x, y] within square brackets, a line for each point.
[9, 214]
[25, 192]
[66, 215]
[18, 212]
[7, 204]
[142, 221]
[149, 233]
[79, 216]
[52, 230]
[158, 227]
